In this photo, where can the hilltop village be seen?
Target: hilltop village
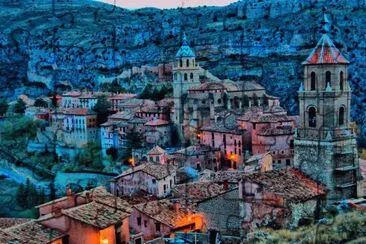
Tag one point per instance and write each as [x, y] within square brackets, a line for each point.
[218, 159]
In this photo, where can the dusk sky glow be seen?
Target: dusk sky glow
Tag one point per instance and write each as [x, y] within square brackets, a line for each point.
[133, 4]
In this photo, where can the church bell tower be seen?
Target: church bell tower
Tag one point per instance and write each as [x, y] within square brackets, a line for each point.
[325, 144]
[185, 76]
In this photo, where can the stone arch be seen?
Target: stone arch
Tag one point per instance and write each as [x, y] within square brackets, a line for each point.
[312, 116]
[341, 80]
[312, 81]
[328, 78]
[341, 115]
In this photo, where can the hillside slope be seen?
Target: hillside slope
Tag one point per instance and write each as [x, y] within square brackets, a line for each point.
[73, 44]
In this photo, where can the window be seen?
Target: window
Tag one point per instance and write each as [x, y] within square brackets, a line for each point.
[288, 162]
[164, 188]
[153, 181]
[312, 117]
[145, 223]
[138, 220]
[341, 80]
[219, 101]
[191, 76]
[185, 76]
[279, 161]
[187, 62]
[327, 78]
[254, 125]
[291, 144]
[312, 82]
[341, 116]
[157, 227]
[181, 63]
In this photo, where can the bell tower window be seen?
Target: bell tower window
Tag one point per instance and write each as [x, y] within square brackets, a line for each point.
[327, 78]
[180, 63]
[312, 117]
[312, 81]
[341, 116]
[187, 62]
[185, 76]
[341, 80]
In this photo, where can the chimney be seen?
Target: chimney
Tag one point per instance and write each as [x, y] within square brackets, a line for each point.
[176, 206]
[71, 198]
[88, 197]
[226, 185]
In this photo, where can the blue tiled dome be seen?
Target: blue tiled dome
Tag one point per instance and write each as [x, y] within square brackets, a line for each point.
[185, 51]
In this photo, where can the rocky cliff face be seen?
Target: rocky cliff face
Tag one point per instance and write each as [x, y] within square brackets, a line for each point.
[45, 46]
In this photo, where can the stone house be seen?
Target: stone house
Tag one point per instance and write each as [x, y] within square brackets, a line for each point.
[157, 155]
[208, 199]
[259, 163]
[229, 139]
[158, 132]
[94, 216]
[163, 218]
[199, 157]
[278, 199]
[271, 131]
[117, 100]
[152, 178]
[34, 231]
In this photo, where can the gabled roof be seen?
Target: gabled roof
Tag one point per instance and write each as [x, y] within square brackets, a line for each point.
[185, 51]
[156, 151]
[325, 52]
[34, 232]
[159, 171]
[96, 214]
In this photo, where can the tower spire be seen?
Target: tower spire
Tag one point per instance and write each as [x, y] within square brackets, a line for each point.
[325, 22]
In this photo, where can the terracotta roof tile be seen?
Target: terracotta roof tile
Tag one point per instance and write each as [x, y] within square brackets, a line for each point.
[197, 191]
[157, 122]
[290, 183]
[156, 151]
[159, 171]
[162, 211]
[9, 238]
[325, 52]
[8, 222]
[34, 232]
[96, 214]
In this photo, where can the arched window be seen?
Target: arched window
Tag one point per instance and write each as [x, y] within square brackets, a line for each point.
[181, 63]
[219, 101]
[341, 80]
[312, 117]
[341, 116]
[327, 78]
[191, 76]
[312, 82]
[185, 76]
[187, 62]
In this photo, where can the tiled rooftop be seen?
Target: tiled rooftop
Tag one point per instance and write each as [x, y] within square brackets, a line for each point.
[283, 130]
[325, 52]
[8, 238]
[162, 211]
[97, 214]
[197, 191]
[156, 151]
[158, 171]
[290, 183]
[34, 232]
[157, 122]
[196, 150]
[8, 222]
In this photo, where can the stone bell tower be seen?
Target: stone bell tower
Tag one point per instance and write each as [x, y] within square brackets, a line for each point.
[185, 75]
[325, 144]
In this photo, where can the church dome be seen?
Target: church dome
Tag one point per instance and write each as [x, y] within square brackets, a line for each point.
[185, 51]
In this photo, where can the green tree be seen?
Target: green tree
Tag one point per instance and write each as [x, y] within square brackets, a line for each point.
[40, 103]
[90, 157]
[102, 109]
[20, 107]
[3, 107]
